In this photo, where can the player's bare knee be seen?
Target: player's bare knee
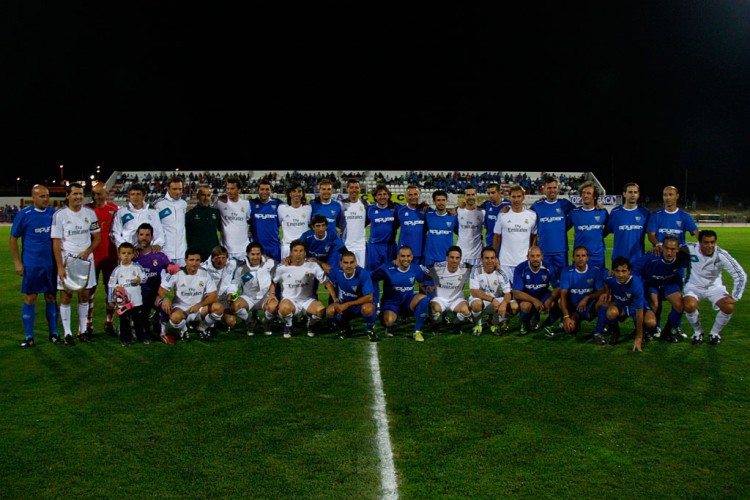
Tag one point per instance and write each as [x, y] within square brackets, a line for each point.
[612, 313]
[368, 309]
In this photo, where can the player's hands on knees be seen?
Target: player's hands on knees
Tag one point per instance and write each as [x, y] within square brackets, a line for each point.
[638, 345]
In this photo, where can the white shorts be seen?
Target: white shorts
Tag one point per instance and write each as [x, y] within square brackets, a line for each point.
[300, 306]
[448, 306]
[239, 257]
[472, 262]
[196, 316]
[255, 304]
[359, 254]
[508, 272]
[285, 251]
[487, 304]
[181, 262]
[712, 294]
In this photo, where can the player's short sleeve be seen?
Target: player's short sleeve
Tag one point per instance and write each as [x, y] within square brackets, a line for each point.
[169, 281]
[366, 283]
[419, 275]
[19, 225]
[506, 285]
[474, 278]
[320, 275]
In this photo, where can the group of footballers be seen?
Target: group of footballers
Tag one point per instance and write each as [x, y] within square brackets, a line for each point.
[263, 260]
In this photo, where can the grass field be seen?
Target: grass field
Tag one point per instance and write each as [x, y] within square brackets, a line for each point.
[469, 417]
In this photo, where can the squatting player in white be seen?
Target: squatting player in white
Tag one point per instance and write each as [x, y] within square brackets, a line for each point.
[248, 291]
[449, 278]
[490, 293]
[515, 232]
[298, 278]
[704, 282]
[195, 296]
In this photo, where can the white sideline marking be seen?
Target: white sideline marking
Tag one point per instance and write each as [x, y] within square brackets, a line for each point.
[388, 482]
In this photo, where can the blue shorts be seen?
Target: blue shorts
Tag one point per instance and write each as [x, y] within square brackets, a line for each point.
[39, 280]
[379, 254]
[401, 306]
[663, 291]
[586, 316]
[598, 261]
[558, 261]
[626, 312]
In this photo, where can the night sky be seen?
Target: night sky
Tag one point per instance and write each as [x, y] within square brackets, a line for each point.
[629, 92]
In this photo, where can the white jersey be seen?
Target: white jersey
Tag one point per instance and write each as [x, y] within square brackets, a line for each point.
[354, 217]
[253, 281]
[235, 216]
[294, 221]
[705, 272]
[494, 284]
[172, 217]
[299, 281]
[470, 226]
[126, 222]
[74, 229]
[449, 285]
[126, 277]
[515, 230]
[189, 290]
[222, 277]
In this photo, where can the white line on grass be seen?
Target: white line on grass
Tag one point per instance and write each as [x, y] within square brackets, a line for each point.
[387, 468]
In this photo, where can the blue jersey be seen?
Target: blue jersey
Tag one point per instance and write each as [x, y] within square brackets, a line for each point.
[655, 271]
[590, 229]
[552, 225]
[34, 227]
[331, 211]
[490, 217]
[628, 294]
[677, 223]
[629, 229]
[354, 287]
[580, 284]
[325, 250]
[398, 285]
[537, 284]
[264, 225]
[411, 221]
[438, 236]
[382, 222]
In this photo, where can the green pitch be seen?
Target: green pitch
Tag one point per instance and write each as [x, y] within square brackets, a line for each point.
[268, 417]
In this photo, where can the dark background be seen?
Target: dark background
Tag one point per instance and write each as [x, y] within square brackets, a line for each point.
[630, 91]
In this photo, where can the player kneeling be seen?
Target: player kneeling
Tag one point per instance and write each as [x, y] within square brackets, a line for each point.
[449, 279]
[581, 286]
[623, 298]
[248, 291]
[490, 293]
[299, 284]
[531, 289]
[353, 298]
[704, 282]
[195, 297]
[398, 292]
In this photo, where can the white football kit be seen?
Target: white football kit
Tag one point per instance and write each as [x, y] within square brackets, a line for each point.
[299, 283]
[470, 226]
[235, 217]
[704, 280]
[74, 230]
[449, 286]
[353, 233]
[515, 230]
[294, 222]
[127, 278]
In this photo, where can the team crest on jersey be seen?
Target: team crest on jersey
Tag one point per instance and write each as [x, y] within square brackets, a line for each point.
[377, 212]
[638, 218]
[411, 280]
[86, 220]
[354, 288]
[200, 283]
[333, 212]
[154, 263]
[679, 223]
[479, 218]
[494, 282]
[596, 218]
[590, 281]
[449, 224]
[307, 274]
[558, 210]
[242, 209]
[406, 214]
[526, 221]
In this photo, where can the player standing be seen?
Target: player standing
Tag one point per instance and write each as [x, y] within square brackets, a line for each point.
[172, 209]
[515, 233]
[470, 225]
[265, 221]
[411, 222]
[590, 225]
[235, 216]
[628, 222]
[294, 217]
[353, 217]
[670, 220]
[553, 224]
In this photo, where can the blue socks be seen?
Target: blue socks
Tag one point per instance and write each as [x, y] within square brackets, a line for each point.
[51, 311]
[420, 313]
[28, 314]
